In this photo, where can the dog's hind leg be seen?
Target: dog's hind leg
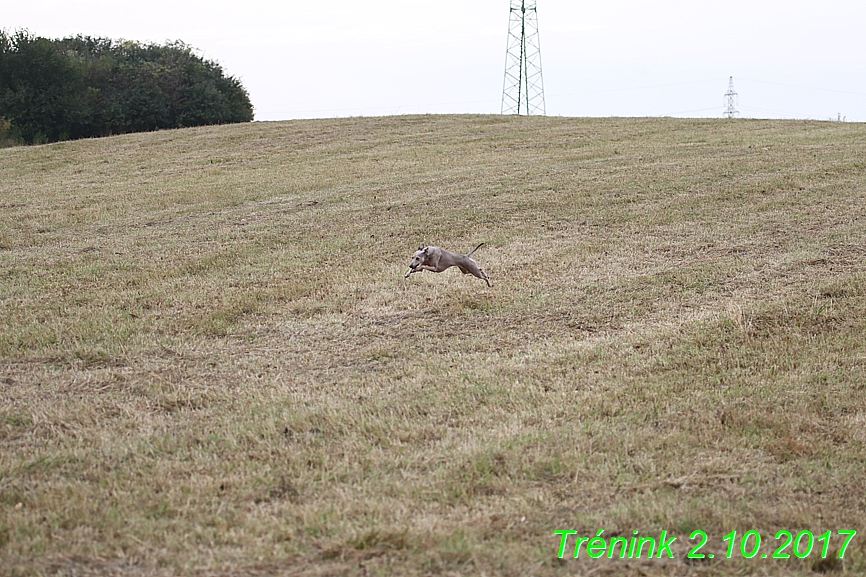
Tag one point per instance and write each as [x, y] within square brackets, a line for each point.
[473, 269]
[484, 277]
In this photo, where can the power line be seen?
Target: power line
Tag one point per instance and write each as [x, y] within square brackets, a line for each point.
[634, 88]
[690, 111]
[786, 114]
[804, 87]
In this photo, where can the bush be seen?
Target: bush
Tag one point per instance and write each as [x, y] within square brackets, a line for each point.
[81, 87]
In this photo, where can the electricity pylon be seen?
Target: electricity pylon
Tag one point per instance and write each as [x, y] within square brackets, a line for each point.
[523, 88]
[731, 99]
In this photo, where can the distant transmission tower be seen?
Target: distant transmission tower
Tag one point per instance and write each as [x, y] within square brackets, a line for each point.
[523, 88]
[732, 100]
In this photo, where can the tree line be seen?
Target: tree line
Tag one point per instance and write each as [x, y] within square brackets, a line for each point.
[79, 87]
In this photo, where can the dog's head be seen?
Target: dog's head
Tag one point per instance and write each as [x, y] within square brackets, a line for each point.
[419, 257]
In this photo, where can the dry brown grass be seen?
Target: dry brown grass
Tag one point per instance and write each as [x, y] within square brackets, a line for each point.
[211, 364]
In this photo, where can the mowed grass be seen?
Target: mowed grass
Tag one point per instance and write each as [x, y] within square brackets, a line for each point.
[211, 364]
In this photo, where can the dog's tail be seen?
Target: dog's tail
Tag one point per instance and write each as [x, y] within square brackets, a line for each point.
[474, 249]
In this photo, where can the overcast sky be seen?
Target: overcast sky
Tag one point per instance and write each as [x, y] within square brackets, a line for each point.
[328, 58]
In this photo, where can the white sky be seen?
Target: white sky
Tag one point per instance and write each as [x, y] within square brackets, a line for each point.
[328, 58]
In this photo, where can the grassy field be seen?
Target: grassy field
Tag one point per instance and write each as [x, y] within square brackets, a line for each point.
[211, 364]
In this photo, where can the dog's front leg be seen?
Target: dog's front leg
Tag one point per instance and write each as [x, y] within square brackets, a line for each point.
[419, 268]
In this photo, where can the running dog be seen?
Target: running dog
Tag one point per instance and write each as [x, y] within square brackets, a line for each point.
[437, 259]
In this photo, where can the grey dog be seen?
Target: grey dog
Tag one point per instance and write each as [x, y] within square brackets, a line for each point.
[437, 259]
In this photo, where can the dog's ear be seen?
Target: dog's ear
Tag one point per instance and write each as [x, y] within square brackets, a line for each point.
[421, 246]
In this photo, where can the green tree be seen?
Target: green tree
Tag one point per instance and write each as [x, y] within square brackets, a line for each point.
[82, 86]
[41, 91]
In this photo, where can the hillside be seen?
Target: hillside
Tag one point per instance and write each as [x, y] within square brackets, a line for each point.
[211, 364]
